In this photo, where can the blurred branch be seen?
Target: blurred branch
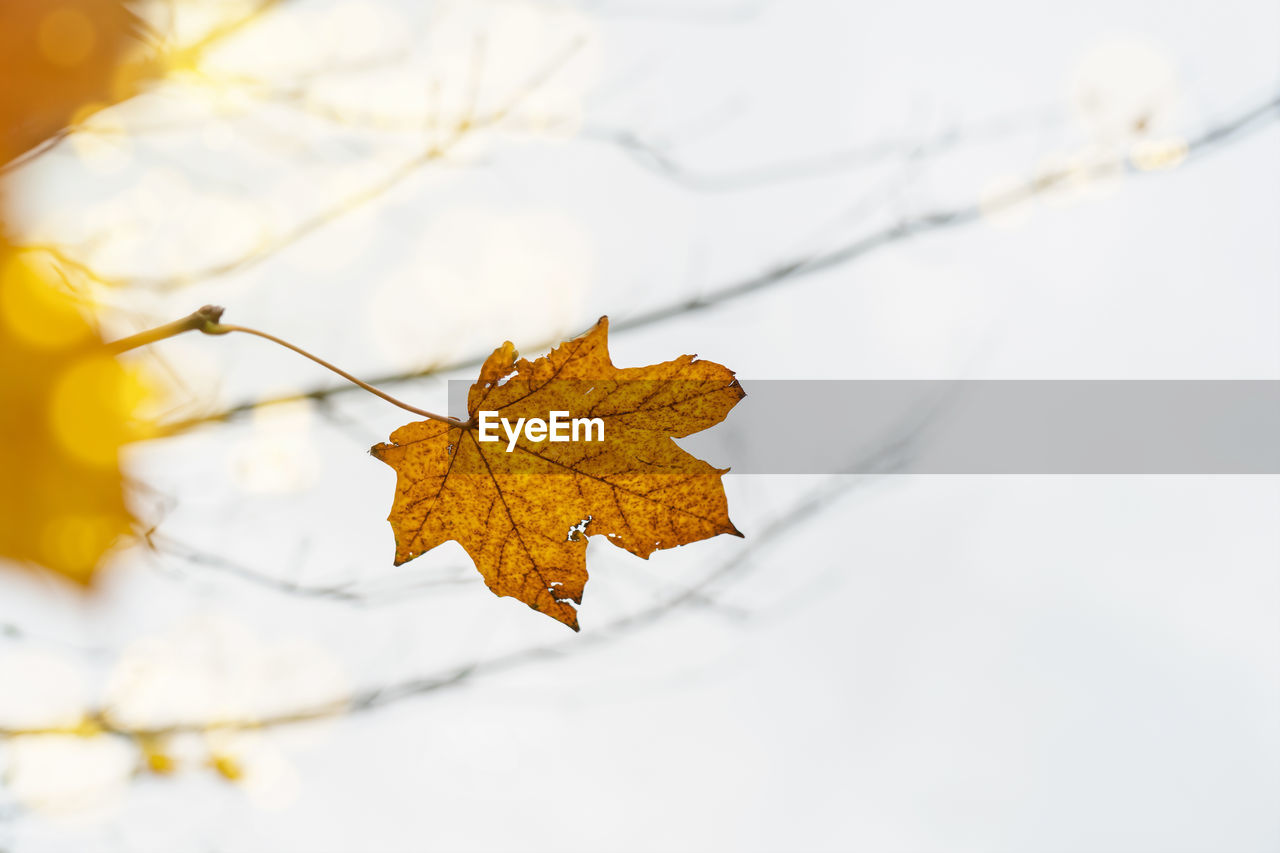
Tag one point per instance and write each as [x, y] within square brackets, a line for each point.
[659, 159]
[12, 633]
[225, 30]
[293, 94]
[1215, 138]
[375, 190]
[809, 508]
[346, 592]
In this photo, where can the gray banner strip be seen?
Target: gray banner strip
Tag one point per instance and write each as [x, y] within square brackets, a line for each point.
[1078, 427]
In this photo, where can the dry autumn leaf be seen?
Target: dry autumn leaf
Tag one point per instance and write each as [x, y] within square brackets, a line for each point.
[521, 504]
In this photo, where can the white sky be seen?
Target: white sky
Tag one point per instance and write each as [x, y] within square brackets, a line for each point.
[930, 664]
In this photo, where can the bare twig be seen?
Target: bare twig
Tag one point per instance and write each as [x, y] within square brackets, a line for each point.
[206, 320]
[203, 319]
[346, 592]
[658, 158]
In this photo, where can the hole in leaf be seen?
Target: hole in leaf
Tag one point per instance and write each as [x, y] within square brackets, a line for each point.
[576, 532]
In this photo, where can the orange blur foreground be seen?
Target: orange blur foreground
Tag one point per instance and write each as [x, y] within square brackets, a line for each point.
[65, 405]
[65, 411]
[61, 60]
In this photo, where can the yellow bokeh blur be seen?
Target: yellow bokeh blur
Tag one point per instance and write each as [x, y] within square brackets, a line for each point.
[66, 409]
[91, 407]
[34, 311]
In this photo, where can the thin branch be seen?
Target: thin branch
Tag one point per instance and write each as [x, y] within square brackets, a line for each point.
[202, 319]
[346, 592]
[801, 267]
[657, 158]
[206, 320]
[359, 383]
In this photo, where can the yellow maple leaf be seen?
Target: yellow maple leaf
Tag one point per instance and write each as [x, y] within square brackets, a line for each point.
[520, 504]
[65, 412]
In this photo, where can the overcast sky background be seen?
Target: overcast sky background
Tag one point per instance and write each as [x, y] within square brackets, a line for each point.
[914, 664]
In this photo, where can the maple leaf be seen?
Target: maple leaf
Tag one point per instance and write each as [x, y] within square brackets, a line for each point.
[65, 412]
[520, 506]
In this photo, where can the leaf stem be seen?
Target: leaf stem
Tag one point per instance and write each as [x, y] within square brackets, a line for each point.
[207, 320]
